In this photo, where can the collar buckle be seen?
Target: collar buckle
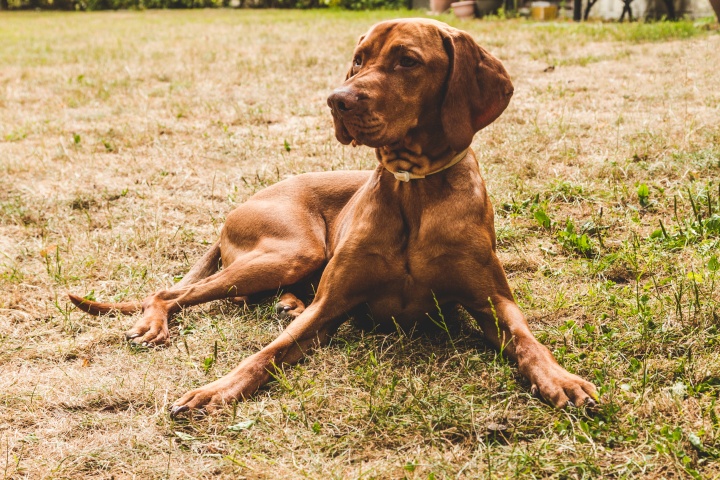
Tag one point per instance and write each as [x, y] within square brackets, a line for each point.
[405, 176]
[402, 175]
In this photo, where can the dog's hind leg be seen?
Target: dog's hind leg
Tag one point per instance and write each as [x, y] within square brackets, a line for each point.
[253, 272]
[208, 264]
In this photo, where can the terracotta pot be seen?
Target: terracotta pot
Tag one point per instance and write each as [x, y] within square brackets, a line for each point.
[440, 6]
[464, 9]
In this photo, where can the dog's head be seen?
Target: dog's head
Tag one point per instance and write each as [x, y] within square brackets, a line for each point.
[417, 75]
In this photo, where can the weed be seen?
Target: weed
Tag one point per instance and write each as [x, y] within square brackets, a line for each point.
[573, 241]
[702, 223]
[643, 193]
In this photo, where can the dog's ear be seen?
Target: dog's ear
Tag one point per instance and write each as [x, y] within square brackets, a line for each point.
[478, 89]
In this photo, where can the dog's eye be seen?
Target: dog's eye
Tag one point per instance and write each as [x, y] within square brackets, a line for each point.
[357, 61]
[407, 62]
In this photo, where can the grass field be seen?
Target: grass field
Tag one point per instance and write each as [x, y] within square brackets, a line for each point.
[125, 139]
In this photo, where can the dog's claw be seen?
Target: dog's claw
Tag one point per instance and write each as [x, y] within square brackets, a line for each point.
[534, 390]
[590, 403]
[283, 311]
[280, 308]
[177, 410]
[131, 336]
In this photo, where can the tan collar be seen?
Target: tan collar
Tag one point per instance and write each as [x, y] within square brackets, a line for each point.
[404, 176]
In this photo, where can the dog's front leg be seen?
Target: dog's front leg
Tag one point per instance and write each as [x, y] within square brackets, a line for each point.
[505, 327]
[336, 295]
[310, 330]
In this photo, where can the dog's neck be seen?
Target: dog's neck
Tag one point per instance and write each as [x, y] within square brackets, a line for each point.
[419, 155]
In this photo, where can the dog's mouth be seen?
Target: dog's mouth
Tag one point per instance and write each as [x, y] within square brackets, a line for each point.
[360, 132]
[341, 132]
[366, 135]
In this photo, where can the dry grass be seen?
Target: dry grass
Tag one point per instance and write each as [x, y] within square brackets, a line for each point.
[126, 139]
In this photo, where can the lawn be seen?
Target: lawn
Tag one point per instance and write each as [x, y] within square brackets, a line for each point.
[127, 137]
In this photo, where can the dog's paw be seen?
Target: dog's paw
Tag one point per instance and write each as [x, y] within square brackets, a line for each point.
[563, 389]
[284, 311]
[212, 396]
[289, 306]
[201, 399]
[239, 384]
[149, 331]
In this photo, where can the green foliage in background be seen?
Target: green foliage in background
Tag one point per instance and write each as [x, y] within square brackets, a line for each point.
[148, 4]
[111, 4]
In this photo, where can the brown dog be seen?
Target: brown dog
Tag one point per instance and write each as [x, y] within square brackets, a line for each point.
[416, 230]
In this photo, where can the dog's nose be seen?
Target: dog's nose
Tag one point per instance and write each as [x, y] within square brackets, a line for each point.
[343, 100]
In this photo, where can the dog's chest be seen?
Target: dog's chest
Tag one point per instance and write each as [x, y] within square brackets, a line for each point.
[402, 251]
[409, 285]
[412, 263]
[421, 269]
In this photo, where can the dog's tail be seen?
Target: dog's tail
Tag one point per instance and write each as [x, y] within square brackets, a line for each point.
[203, 268]
[101, 308]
